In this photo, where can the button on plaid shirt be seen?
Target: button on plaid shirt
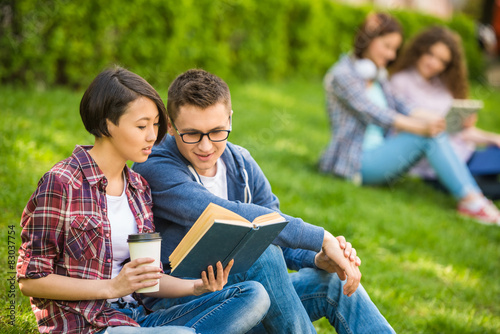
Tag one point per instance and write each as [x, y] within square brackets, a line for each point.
[66, 231]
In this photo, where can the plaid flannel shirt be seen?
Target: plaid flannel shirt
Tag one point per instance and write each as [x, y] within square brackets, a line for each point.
[66, 231]
[350, 111]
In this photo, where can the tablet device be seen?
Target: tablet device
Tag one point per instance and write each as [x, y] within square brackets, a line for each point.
[459, 111]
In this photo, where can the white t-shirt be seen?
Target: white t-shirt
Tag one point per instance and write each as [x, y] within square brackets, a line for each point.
[374, 134]
[217, 184]
[122, 223]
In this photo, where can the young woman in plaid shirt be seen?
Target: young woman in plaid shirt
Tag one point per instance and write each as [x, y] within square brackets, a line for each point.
[73, 258]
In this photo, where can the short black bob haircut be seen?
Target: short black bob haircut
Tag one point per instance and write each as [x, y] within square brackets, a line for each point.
[108, 96]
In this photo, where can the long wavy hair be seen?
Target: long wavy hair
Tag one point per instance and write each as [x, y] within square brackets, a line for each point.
[454, 76]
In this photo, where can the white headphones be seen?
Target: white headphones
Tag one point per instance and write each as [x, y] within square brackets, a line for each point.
[368, 70]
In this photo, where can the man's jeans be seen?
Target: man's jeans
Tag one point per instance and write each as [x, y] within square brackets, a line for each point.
[235, 309]
[321, 294]
[286, 314]
[318, 294]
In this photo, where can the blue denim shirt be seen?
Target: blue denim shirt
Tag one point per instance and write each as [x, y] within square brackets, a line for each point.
[350, 110]
[179, 199]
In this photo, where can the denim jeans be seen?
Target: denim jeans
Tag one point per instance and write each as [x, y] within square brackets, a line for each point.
[286, 313]
[235, 309]
[322, 295]
[398, 154]
[299, 298]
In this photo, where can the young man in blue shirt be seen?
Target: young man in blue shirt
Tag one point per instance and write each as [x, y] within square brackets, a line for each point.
[196, 165]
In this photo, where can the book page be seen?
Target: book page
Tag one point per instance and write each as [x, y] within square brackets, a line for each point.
[233, 222]
[199, 228]
[218, 212]
[270, 218]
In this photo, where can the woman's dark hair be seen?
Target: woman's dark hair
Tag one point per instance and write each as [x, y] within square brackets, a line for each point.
[375, 25]
[454, 76]
[108, 96]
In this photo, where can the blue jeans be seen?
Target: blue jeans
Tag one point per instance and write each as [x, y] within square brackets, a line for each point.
[286, 313]
[398, 154]
[299, 298]
[235, 309]
[322, 295]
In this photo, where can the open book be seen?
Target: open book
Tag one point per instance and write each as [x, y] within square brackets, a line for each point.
[459, 111]
[221, 235]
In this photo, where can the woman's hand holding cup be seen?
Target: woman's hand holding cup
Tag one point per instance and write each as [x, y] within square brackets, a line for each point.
[135, 275]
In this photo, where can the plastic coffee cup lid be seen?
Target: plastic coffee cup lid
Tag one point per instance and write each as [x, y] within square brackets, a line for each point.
[143, 237]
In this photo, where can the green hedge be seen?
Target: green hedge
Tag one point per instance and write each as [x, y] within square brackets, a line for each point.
[67, 42]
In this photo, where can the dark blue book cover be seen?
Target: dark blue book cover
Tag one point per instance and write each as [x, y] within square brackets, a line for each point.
[225, 241]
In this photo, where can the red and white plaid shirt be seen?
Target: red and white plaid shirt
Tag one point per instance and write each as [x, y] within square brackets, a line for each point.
[66, 231]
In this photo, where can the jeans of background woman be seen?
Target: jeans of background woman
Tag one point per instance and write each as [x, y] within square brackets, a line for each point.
[396, 155]
[484, 165]
[235, 309]
[301, 297]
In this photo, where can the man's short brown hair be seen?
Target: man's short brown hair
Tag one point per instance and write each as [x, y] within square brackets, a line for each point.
[198, 88]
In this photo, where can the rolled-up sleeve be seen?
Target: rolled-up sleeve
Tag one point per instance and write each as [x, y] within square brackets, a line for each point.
[42, 229]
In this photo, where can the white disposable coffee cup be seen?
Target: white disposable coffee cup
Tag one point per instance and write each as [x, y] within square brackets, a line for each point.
[146, 245]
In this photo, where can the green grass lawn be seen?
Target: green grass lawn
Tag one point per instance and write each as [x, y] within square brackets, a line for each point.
[427, 270]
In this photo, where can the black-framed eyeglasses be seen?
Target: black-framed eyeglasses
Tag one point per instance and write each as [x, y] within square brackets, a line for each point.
[196, 137]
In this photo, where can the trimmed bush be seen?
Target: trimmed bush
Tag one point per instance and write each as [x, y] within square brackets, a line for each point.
[62, 42]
